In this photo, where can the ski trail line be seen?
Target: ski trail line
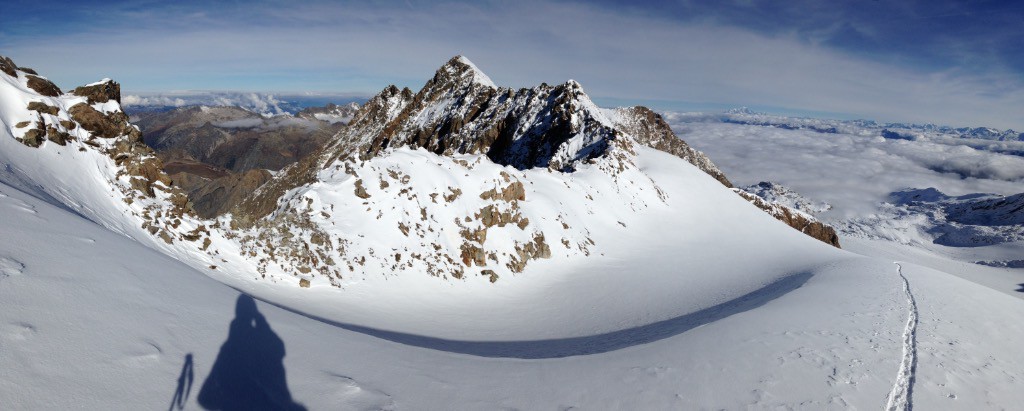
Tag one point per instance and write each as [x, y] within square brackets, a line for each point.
[900, 397]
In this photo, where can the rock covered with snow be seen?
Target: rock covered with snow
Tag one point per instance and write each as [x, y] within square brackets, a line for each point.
[331, 113]
[780, 194]
[793, 217]
[80, 150]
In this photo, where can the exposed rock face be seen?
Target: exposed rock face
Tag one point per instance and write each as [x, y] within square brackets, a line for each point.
[43, 108]
[800, 221]
[459, 111]
[43, 86]
[106, 125]
[7, 66]
[651, 130]
[100, 92]
[777, 193]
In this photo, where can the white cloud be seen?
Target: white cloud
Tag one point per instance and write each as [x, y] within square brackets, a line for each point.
[261, 103]
[853, 173]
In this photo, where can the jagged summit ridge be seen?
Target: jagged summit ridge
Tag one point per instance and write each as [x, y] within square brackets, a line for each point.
[453, 172]
[461, 66]
[545, 126]
[556, 127]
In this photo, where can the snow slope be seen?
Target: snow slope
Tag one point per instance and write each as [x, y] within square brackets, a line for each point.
[641, 225]
[94, 320]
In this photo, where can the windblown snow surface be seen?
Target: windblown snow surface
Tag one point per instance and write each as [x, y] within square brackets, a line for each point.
[689, 298]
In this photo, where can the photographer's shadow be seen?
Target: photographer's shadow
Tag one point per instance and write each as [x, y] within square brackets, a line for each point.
[249, 371]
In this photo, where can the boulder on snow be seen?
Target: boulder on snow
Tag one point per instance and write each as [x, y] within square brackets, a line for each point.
[108, 125]
[43, 108]
[43, 86]
[8, 67]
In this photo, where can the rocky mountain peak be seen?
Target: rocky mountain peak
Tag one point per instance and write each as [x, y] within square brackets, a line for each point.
[460, 112]
[460, 70]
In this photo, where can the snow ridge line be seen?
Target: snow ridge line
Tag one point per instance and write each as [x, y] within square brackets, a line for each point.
[900, 397]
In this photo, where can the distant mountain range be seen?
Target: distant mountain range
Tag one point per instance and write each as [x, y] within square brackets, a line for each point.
[906, 131]
[262, 103]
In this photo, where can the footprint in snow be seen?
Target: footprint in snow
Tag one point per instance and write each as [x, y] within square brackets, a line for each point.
[145, 354]
[10, 267]
[350, 394]
[18, 331]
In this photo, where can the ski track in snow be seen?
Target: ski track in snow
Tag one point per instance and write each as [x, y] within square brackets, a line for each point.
[900, 396]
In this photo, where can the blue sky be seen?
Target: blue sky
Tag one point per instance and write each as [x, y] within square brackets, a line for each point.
[956, 63]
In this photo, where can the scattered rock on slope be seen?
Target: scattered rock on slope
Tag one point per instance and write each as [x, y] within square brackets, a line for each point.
[802, 222]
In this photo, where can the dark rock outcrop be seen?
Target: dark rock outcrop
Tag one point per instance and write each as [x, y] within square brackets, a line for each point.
[8, 67]
[1002, 211]
[651, 130]
[101, 92]
[43, 86]
[105, 125]
[43, 108]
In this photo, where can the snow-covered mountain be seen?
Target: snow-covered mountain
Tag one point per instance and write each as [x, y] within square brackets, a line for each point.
[331, 113]
[462, 182]
[777, 193]
[970, 220]
[460, 161]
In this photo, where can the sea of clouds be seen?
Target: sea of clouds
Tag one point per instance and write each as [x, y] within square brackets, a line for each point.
[261, 103]
[853, 172]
